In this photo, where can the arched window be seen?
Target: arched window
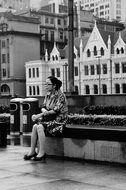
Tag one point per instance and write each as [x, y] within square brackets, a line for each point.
[56, 57]
[102, 51]
[104, 89]
[53, 58]
[95, 50]
[88, 53]
[33, 90]
[95, 89]
[87, 89]
[117, 88]
[122, 50]
[38, 91]
[124, 87]
[30, 90]
[117, 51]
[5, 89]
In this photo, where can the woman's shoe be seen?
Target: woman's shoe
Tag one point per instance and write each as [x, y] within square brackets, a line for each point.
[42, 158]
[28, 157]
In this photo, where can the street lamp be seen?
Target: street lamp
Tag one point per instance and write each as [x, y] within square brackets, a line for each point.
[111, 74]
[99, 72]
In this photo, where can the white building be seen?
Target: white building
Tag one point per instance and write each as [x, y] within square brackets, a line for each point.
[99, 65]
[108, 9]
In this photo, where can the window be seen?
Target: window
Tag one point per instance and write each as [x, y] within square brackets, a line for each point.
[104, 88]
[86, 71]
[117, 68]
[95, 89]
[76, 88]
[33, 90]
[104, 68]
[3, 58]
[124, 67]
[117, 51]
[38, 91]
[88, 53]
[53, 72]
[30, 90]
[46, 20]
[56, 57]
[33, 70]
[76, 71]
[58, 72]
[95, 50]
[87, 89]
[59, 22]
[37, 72]
[46, 34]
[8, 58]
[124, 88]
[92, 69]
[4, 72]
[117, 88]
[122, 50]
[98, 68]
[52, 35]
[102, 51]
[61, 35]
[3, 44]
[29, 73]
[53, 58]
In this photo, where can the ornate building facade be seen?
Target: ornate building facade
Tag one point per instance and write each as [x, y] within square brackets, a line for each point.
[99, 65]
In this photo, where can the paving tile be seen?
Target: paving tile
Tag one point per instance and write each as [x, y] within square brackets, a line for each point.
[56, 174]
[62, 185]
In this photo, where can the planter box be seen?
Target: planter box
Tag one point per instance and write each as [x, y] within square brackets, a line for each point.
[89, 143]
[95, 133]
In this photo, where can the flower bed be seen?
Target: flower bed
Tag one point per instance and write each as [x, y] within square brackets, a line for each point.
[104, 121]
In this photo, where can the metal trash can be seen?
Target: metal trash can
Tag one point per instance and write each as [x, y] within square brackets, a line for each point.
[16, 115]
[3, 133]
[30, 107]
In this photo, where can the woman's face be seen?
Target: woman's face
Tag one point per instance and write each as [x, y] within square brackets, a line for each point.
[49, 86]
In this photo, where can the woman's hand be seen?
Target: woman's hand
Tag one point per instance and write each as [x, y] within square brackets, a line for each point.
[34, 117]
[43, 110]
[37, 116]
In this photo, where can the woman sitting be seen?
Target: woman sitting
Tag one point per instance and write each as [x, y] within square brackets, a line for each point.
[51, 120]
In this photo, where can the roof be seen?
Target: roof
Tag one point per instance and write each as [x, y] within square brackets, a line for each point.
[64, 52]
[12, 17]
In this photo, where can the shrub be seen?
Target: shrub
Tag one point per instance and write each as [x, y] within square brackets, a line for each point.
[108, 110]
[97, 120]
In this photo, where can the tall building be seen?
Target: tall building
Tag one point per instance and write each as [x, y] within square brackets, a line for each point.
[19, 42]
[108, 9]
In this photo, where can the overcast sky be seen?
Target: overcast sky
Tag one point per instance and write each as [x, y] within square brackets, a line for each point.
[36, 3]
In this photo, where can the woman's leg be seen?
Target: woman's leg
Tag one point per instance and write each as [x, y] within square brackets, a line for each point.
[34, 138]
[41, 140]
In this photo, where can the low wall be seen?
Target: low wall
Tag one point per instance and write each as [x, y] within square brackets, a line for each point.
[114, 152]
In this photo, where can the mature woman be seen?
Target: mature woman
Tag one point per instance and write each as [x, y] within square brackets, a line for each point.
[51, 120]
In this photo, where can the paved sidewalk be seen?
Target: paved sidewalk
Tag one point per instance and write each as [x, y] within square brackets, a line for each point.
[56, 174]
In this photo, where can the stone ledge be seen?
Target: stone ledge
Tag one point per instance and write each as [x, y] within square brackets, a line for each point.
[95, 133]
[95, 150]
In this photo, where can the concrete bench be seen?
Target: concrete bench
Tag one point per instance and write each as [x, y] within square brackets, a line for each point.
[97, 144]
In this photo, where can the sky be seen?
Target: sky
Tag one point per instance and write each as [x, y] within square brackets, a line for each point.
[35, 3]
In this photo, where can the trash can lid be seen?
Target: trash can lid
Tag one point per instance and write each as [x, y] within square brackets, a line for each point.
[30, 99]
[17, 100]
